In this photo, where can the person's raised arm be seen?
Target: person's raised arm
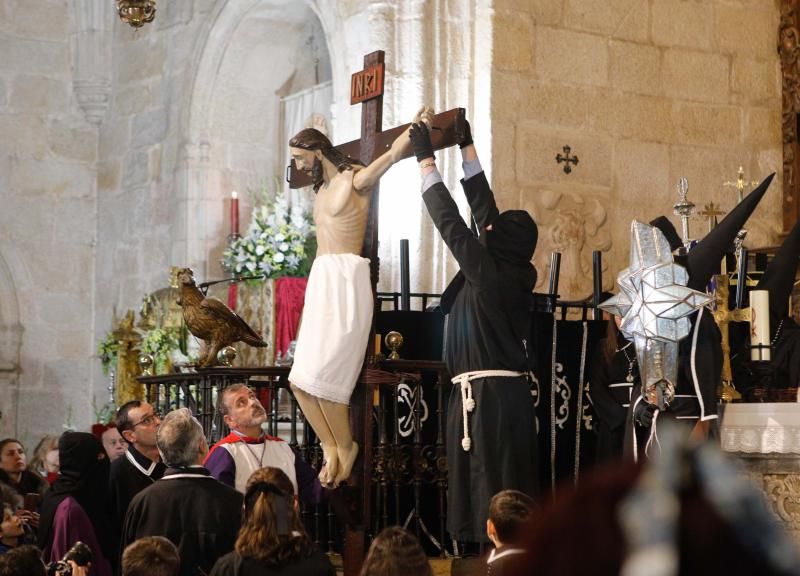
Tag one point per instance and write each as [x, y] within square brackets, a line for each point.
[367, 177]
[476, 187]
[473, 260]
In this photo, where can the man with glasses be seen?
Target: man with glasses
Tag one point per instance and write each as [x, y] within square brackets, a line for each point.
[141, 465]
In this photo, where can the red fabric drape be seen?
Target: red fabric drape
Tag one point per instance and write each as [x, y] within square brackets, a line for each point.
[289, 296]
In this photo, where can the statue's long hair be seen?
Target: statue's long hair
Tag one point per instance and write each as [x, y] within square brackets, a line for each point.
[313, 139]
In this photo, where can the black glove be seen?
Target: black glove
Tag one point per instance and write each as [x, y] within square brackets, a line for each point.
[643, 414]
[421, 141]
[467, 139]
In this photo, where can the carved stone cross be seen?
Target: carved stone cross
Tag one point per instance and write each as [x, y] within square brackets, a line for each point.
[567, 159]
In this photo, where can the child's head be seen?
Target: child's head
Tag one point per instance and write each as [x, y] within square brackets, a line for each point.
[509, 512]
[11, 526]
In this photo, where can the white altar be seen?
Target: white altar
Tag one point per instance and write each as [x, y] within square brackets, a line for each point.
[766, 437]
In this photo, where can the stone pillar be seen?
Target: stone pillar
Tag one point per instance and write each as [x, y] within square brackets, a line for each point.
[10, 342]
[92, 25]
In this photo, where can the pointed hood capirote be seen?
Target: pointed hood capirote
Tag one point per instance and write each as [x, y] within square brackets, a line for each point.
[779, 276]
[703, 260]
[663, 223]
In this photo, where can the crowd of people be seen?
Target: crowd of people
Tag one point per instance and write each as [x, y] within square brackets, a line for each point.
[167, 506]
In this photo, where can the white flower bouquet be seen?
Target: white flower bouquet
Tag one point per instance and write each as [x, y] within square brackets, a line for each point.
[279, 241]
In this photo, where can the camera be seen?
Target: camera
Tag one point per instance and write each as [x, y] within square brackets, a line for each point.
[80, 553]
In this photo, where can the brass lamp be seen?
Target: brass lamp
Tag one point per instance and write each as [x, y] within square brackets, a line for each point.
[137, 13]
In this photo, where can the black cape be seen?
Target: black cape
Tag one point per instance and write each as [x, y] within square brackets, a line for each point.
[699, 374]
[196, 512]
[488, 323]
[128, 479]
[611, 393]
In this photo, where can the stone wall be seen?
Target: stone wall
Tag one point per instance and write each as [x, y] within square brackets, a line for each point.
[644, 92]
[47, 224]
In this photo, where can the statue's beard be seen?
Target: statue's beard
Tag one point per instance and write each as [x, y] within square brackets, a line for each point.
[316, 174]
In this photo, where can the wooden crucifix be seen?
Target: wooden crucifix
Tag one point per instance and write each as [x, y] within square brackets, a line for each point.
[447, 129]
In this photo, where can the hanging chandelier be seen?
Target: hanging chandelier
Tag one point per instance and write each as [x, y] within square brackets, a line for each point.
[137, 13]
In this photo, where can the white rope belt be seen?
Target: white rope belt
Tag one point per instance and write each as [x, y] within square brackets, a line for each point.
[467, 402]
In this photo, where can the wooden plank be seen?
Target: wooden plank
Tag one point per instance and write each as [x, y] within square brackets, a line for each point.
[447, 130]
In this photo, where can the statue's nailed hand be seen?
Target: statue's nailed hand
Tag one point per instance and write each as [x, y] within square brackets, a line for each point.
[424, 114]
[467, 139]
[421, 141]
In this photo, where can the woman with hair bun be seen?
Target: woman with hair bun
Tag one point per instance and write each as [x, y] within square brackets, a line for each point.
[272, 540]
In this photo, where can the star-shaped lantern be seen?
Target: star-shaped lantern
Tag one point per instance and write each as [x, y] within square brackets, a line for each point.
[655, 306]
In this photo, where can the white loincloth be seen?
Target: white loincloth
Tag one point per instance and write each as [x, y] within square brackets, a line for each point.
[337, 316]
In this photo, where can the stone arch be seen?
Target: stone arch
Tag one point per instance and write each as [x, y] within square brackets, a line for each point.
[201, 181]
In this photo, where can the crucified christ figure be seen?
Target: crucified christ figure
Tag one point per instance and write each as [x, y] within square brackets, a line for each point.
[337, 314]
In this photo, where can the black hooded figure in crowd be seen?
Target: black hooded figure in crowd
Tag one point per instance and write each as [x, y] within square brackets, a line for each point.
[76, 506]
[778, 279]
[491, 427]
[700, 353]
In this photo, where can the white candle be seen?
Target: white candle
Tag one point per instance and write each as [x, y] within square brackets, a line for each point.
[759, 324]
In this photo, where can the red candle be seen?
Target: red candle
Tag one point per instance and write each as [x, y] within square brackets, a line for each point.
[232, 295]
[234, 213]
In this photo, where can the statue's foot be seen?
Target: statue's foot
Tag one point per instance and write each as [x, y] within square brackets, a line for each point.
[330, 466]
[347, 458]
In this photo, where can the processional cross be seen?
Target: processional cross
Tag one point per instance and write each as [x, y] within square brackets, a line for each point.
[710, 212]
[740, 184]
[447, 129]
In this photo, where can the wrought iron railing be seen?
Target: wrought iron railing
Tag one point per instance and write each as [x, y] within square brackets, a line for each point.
[408, 462]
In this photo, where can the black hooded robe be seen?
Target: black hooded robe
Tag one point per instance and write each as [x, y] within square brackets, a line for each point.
[488, 320]
[610, 394]
[699, 374]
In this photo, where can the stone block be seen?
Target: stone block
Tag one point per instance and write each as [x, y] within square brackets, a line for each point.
[51, 179]
[3, 94]
[75, 225]
[748, 30]
[38, 93]
[172, 14]
[108, 175]
[624, 19]
[114, 137]
[695, 76]
[72, 142]
[25, 134]
[546, 12]
[763, 126]
[681, 23]
[641, 174]
[135, 170]
[140, 59]
[513, 48]
[756, 80]
[635, 68]
[570, 57]
[44, 19]
[632, 116]
[50, 59]
[706, 124]
[131, 99]
[537, 148]
[148, 128]
[554, 104]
